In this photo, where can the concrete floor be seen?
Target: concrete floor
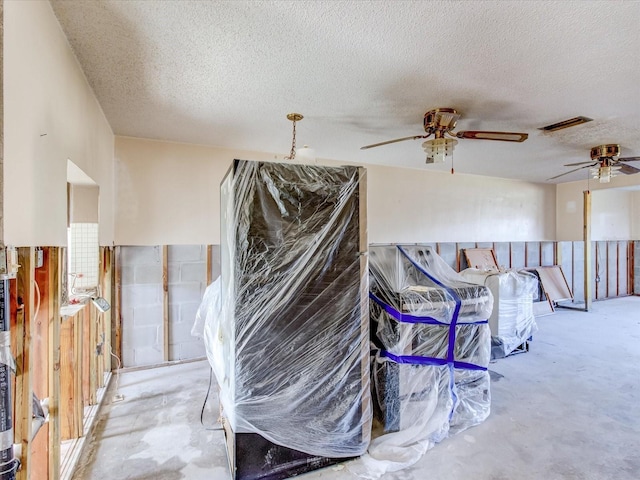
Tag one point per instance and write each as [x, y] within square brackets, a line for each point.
[568, 409]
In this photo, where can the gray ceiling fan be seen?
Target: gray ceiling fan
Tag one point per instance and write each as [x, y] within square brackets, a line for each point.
[605, 163]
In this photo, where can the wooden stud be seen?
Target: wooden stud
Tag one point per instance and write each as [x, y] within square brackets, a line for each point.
[209, 264]
[90, 349]
[586, 238]
[78, 400]
[40, 361]
[117, 313]
[54, 362]
[24, 367]
[165, 301]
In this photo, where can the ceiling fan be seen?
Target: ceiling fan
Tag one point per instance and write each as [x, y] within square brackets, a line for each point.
[440, 122]
[604, 163]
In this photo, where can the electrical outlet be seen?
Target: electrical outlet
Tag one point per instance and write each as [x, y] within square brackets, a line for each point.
[101, 304]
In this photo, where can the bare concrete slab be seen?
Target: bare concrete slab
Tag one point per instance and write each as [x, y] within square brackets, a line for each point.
[568, 409]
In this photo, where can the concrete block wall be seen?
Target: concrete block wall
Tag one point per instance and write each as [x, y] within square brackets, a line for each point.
[142, 301]
[141, 305]
[187, 282]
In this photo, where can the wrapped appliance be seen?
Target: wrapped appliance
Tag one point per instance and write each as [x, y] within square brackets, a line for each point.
[512, 321]
[433, 347]
[290, 345]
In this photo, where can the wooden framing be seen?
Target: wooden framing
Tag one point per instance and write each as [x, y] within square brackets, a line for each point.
[586, 238]
[24, 390]
[165, 303]
[54, 267]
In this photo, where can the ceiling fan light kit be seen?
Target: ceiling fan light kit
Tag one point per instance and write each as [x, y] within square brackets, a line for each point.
[439, 149]
[440, 122]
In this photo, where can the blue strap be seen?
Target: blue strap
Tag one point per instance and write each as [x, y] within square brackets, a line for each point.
[452, 328]
[438, 362]
[408, 318]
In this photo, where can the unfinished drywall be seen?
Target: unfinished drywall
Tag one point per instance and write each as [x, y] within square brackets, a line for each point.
[615, 217]
[163, 184]
[50, 116]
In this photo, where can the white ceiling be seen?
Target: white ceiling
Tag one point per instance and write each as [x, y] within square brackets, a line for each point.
[226, 73]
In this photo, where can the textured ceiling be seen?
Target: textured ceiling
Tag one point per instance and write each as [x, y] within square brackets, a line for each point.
[226, 73]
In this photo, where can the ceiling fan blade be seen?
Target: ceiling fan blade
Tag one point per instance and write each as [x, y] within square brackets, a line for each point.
[570, 171]
[579, 163]
[415, 137]
[629, 159]
[501, 136]
[628, 169]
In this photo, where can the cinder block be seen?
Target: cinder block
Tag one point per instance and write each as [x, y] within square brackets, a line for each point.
[193, 349]
[188, 312]
[128, 358]
[145, 274]
[180, 332]
[174, 352]
[215, 261]
[147, 356]
[127, 275]
[193, 272]
[174, 312]
[448, 254]
[135, 295]
[173, 273]
[143, 336]
[185, 293]
[186, 253]
[147, 315]
[131, 256]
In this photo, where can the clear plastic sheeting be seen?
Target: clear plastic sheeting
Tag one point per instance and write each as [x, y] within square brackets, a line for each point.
[290, 343]
[432, 342]
[512, 321]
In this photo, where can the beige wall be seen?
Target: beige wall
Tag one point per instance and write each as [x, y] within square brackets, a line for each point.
[50, 116]
[635, 215]
[168, 193]
[612, 215]
[83, 203]
[407, 206]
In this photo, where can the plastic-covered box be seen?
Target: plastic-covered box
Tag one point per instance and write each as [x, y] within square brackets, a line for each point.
[290, 345]
[512, 321]
[431, 330]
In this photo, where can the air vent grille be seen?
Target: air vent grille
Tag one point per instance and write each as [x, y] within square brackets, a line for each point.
[572, 122]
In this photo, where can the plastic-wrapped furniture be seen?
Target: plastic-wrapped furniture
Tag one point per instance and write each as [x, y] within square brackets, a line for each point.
[512, 321]
[431, 329]
[290, 347]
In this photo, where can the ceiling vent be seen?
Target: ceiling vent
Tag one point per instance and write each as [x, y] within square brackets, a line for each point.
[572, 122]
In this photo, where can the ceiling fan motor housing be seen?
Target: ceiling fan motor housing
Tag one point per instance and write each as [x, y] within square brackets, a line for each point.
[440, 120]
[609, 151]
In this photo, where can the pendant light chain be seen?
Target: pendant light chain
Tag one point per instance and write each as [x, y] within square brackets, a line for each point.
[294, 117]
